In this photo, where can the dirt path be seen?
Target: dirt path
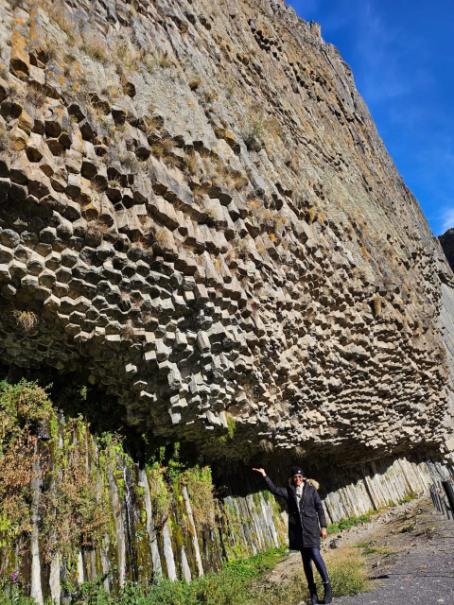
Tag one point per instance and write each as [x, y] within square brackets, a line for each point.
[421, 568]
[410, 560]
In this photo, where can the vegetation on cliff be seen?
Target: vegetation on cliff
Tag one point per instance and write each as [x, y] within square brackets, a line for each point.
[97, 516]
[36, 445]
[237, 583]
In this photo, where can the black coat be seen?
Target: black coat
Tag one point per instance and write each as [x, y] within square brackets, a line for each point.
[303, 523]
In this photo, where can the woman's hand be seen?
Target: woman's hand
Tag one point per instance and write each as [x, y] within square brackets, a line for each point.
[261, 471]
[323, 532]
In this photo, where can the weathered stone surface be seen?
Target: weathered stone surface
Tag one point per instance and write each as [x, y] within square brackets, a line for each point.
[217, 232]
[447, 243]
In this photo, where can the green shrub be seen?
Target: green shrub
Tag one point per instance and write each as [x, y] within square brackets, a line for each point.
[350, 522]
[22, 404]
[238, 583]
[408, 497]
[230, 586]
[15, 598]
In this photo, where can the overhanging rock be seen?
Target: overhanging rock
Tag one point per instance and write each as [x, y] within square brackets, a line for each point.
[196, 210]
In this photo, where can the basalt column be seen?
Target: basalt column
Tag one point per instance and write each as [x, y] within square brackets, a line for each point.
[196, 211]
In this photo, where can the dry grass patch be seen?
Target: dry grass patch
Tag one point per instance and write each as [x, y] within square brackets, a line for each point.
[26, 320]
[161, 148]
[4, 139]
[164, 61]
[194, 83]
[286, 593]
[191, 162]
[210, 95]
[35, 95]
[61, 16]
[347, 570]
[94, 46]
[129, 57]
[287, 584]
[160, 61]
[238, 180]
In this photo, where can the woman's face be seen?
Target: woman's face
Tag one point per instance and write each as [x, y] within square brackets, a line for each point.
[298, 479]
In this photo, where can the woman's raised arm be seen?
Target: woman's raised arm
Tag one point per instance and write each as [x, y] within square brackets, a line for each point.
[274, 489]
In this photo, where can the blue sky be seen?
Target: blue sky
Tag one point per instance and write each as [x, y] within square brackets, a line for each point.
[402, 56]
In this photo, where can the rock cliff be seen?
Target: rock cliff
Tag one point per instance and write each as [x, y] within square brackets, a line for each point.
[447, 243]
[198, 214]
[75, 507]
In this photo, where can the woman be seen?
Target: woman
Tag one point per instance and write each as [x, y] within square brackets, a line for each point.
[306, 523]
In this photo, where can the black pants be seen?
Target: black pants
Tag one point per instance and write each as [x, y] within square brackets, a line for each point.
[313, 554]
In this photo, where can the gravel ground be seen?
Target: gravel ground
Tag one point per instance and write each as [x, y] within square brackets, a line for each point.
[421, 570]
[415, 562]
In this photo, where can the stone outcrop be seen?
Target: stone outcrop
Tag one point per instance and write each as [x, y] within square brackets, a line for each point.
[197, 212]
[447, 243]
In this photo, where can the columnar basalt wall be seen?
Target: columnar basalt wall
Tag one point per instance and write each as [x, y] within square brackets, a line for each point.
[196, 210]
[76, 507]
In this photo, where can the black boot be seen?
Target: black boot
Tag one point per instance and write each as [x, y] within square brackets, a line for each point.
[328, 596]
[313, 594]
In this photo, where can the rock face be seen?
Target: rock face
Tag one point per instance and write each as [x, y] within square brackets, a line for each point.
[76, 507]
[447, 243]
[197, 212]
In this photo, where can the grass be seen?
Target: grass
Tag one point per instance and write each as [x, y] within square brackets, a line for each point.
[408, 498]
[348, 576]
[164, 60]
[254, 134]
[191, 162]
[350, 522]
[377, 305]
[230, 586]
[210, 95]
[155, 62]
[194, 83]
[161, 148]
[367, 549]
[13, 596]
[128, 57]
[347, 572]
[94, 46]
[62, 18]
[35, 95]
[286, 593]
[241, 582]
[163, 236]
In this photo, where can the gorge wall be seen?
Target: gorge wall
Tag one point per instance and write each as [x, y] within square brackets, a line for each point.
[198, 210]
[199, 220]
[77, 509]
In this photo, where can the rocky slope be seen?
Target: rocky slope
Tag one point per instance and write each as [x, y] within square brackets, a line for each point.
[198, 215]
